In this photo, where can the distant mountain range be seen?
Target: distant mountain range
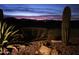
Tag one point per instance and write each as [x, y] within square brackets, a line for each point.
[41, 23]
[45, 17]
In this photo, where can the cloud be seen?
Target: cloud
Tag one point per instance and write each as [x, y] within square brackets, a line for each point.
[43, 9]
[19, 13]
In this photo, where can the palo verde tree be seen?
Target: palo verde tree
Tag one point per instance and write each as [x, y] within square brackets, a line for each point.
[66, 25]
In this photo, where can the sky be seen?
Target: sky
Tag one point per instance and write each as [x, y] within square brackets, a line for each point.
[37, 9]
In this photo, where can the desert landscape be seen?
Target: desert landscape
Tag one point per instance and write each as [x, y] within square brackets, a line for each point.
[24, 35]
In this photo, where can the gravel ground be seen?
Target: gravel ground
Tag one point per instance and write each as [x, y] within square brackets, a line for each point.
[40, 48]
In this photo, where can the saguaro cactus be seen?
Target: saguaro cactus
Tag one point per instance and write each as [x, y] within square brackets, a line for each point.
[66, 25]
[1, 20]
[1, 14]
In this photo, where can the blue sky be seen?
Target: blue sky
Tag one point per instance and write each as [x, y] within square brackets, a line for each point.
[37, 9]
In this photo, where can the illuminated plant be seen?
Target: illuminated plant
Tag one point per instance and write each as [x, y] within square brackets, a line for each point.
[6, 32]
[66, 25]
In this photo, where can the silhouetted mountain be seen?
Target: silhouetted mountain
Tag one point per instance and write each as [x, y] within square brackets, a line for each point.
[40, 23]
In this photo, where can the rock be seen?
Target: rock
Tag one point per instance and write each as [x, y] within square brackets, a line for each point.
[54, 52]
[44, 50]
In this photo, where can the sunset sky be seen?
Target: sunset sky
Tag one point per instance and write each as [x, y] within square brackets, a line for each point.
[37, 9]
